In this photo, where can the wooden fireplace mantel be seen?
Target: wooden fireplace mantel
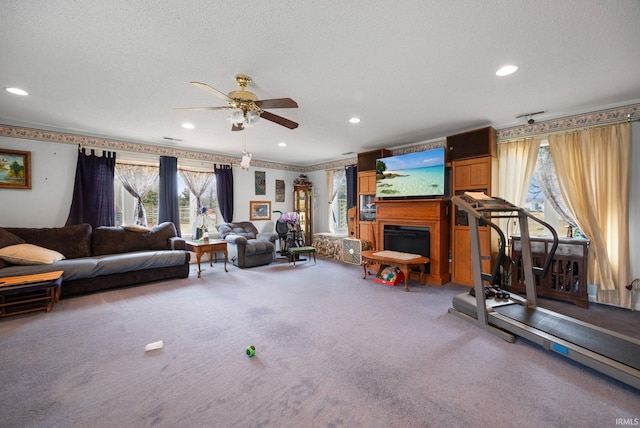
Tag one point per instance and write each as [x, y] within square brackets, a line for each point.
[431, 213]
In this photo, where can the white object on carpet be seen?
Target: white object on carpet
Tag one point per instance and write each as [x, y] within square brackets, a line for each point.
[153, 346]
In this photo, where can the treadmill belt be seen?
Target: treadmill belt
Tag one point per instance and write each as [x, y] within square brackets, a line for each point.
[612, 347]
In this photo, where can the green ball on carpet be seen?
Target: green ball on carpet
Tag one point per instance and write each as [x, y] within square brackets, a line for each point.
[251, 350]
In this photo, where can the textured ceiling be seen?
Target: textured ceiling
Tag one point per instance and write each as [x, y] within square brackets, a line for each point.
[412, 70]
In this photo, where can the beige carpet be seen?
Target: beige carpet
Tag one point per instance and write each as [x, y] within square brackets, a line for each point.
[333, 350]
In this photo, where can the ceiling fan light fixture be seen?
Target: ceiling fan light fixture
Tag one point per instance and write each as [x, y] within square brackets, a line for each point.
[236, 116]
[252, 118]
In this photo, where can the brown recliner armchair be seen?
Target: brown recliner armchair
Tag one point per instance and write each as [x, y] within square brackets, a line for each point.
[246, 246]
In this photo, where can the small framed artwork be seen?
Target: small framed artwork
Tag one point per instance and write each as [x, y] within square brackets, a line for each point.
[15, 169]
[259, 210]
[279, 190]
[261, 183]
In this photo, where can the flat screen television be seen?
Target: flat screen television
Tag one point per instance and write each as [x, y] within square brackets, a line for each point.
[419, 174]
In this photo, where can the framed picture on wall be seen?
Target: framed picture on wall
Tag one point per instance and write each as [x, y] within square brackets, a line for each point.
[279, 190]
[15, 169]
[259, 210]
[261, 183]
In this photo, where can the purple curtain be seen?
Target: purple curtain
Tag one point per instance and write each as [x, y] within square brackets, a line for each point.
[352, 185]
[224, 184]
[93, 194]
[168, 206]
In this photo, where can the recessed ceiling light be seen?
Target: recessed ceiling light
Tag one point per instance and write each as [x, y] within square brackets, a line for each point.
[354, 120]
[17, 91]
[282, 144]
[507, 70]
[188, 125]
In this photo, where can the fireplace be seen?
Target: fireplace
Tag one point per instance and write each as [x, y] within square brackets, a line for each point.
[407, 239]
[432, 215]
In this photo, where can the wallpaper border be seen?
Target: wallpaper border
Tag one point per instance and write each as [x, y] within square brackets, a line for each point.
[595, 118]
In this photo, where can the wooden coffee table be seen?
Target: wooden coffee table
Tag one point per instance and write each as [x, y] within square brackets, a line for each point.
[400, 260]
[213, 246]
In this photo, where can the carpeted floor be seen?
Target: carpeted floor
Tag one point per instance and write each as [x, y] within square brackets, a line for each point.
[332, 350]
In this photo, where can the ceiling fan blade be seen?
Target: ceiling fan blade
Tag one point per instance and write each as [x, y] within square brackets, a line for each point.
[277, 103]
[279, 120]
[211, 90]
[201, 108]
[235, 127]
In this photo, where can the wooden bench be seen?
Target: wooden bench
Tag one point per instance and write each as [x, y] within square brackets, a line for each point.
[28, 293]
[294, 252]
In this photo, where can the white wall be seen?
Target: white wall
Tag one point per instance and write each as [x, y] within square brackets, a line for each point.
[244, 192]
[47, 203]
[320, 201]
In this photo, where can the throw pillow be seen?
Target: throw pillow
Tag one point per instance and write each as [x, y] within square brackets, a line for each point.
[8, 238]
[29, 254]
[135, 228]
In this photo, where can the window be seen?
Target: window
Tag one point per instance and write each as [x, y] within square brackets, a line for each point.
[544, 199]
[126, 204]
[338, 208]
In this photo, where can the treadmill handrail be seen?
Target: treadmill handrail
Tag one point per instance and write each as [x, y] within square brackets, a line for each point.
[463, 202]
[547, 262]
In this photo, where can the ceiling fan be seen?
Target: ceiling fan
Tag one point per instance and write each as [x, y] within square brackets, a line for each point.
[245, 106]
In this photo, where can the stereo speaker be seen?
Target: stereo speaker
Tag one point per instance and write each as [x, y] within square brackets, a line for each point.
[472, 144]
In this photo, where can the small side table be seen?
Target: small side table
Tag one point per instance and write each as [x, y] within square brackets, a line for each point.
[211, 247]
[28, 293]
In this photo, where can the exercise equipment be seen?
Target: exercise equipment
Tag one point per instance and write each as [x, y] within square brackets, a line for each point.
[289, 232]
[510, 315]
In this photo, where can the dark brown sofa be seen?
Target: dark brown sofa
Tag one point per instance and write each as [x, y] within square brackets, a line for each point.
[100, 259]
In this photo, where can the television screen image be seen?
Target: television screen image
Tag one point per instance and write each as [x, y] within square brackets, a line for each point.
[419, 174]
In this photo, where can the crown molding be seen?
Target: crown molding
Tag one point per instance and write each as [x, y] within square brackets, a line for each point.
[586, 120]
[596, 118]
[147, 149]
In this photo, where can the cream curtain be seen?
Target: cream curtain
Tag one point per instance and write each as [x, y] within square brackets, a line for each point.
[516, 163]
[593, 171]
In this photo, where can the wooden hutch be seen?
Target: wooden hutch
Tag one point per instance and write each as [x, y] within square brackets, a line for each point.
[474, 164]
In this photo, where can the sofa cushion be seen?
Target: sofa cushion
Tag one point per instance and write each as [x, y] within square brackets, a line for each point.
[7, 238]
[135, 228]
[90, 267]
[118, 240]
[72, 241]
[242, 228]
[159, 235]
[29, 254]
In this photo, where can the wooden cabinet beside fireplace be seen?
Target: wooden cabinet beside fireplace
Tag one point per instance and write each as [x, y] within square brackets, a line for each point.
[366, 215]
[477, 175]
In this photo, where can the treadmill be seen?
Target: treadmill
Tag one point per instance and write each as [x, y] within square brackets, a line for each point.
[508, 315]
